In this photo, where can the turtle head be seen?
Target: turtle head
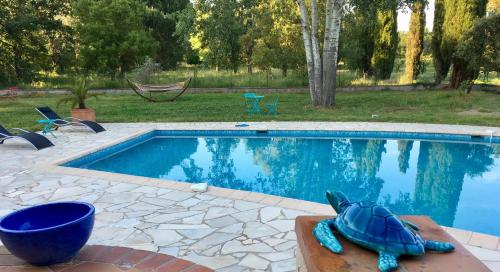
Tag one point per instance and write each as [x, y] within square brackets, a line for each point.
[338, 201]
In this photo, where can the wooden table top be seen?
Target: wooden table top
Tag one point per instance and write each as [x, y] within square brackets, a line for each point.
[358, 259]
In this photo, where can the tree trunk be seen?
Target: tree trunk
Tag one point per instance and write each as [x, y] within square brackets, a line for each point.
[461, 73]
[306, 36]
[322, 68]
[284, 70]
[17, 63]
[318, 67]
[330, 52]
[441, 65]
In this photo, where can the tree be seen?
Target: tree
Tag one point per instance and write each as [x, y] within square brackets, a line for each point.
[452, 20]
[459, 18]
[480, 47]
[278, 43]
[220, 27]
[322, 67]
[415, 42]
[112, 35]
[358, 39]
[386, 43]
[441, 64]
[26, 30]
[161, 18]
[184, 31]
[493, 6]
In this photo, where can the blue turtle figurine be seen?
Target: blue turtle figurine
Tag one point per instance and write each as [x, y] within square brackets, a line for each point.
[376, 228]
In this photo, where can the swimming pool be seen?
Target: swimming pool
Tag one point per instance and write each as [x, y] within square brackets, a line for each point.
[452, 178]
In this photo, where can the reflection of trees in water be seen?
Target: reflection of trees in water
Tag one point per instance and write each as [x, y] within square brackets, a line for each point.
[192, 171]
[305, 169]
[441, 170]
[367, 155]
[222, 171]
[404, 148]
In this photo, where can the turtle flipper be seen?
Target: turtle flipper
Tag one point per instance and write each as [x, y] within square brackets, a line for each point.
[323, 233]
[387, 262]
[439, 246]
[411, 225]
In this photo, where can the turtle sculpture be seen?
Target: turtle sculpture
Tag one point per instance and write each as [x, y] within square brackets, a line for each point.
[376, 228]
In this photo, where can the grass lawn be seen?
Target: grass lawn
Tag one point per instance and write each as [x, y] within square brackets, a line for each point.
[446, 107]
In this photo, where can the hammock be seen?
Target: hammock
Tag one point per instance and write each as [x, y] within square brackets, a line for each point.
[141, 90]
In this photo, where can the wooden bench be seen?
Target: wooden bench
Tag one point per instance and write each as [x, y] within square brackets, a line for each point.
[312, 257]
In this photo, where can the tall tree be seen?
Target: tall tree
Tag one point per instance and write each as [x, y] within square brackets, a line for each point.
[322, 67]
[459, 19]
[278, 43]
[358, 39]
[220, 28]
[415, 42]
[480, 47]
[452, 20]
[441, 64]
[161, 18]
[386, 43]
[113, 38]
[32, 33]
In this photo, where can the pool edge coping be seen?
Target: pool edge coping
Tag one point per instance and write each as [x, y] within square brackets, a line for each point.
[468, 238]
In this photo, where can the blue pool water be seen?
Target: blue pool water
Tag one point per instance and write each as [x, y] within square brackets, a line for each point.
[456, 183]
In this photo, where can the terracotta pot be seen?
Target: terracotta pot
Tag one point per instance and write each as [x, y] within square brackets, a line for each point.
[83, 114]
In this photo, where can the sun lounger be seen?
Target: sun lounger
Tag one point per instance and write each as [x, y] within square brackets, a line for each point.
[70, 121]
[36, 140]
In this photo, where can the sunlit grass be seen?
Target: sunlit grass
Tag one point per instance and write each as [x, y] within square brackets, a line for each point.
[446, 107]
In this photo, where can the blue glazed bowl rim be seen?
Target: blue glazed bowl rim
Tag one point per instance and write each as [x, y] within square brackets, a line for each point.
[90, 212]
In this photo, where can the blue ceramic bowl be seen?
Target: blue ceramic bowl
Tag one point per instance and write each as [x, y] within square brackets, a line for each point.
[48, 234]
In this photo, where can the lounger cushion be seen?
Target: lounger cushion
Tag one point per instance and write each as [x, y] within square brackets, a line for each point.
[93, 125]
[38, 141]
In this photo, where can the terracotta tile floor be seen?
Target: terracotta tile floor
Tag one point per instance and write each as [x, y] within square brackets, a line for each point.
[106, 259]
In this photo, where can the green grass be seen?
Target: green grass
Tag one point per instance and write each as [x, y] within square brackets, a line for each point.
[446, 107]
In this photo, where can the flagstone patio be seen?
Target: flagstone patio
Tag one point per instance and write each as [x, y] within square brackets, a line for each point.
[225, 230]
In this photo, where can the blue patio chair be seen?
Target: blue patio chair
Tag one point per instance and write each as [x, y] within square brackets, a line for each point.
[272, 107]
[36, 140]
[62, 122]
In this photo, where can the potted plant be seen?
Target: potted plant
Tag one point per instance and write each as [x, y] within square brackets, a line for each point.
[77, 97]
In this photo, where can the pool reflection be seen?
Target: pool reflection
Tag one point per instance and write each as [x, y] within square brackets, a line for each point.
[410, 177]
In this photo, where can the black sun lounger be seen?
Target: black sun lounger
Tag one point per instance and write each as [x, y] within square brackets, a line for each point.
[36, 140]
[62, 122]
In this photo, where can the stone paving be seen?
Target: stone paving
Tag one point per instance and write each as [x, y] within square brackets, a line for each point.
[226, 230]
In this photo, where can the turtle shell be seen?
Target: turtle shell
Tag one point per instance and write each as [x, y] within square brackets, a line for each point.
[375, 227]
